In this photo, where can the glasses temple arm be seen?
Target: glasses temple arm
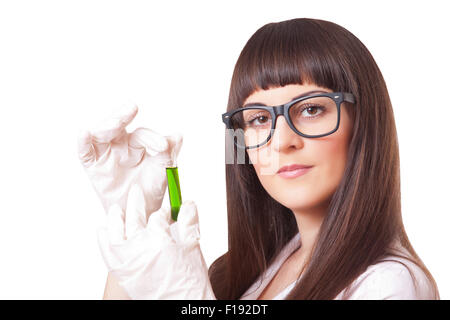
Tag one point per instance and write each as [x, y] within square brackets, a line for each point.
[349, 97]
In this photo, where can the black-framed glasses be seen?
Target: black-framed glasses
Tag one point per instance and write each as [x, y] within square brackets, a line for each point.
[310, 116]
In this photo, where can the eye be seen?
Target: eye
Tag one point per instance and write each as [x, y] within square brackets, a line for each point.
[259, 119]
[313, 110]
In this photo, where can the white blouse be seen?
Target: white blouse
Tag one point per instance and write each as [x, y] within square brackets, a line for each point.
[383, 280]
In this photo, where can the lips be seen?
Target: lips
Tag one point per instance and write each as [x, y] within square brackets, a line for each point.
[293, 167]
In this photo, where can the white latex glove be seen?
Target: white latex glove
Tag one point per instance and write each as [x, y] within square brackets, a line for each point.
[115, 160]
[160, 259]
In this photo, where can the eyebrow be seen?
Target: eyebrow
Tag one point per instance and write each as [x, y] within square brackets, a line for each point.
[251, 104]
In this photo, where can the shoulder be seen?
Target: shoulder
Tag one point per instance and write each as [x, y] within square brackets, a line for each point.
[393, 278]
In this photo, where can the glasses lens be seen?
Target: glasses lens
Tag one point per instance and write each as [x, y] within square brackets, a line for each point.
[251, 126]
[314, 116]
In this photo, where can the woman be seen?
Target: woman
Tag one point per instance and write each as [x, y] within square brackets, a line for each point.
[315, 210]
[346, 208]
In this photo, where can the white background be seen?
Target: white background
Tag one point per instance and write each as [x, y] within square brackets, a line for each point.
[66, 64]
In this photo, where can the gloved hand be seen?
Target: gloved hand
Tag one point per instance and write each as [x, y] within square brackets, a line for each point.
[114, 160]
[160, 259]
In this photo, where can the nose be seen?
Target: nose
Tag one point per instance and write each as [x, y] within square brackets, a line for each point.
[283, 137]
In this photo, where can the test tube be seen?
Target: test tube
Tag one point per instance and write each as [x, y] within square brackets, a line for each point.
[173, 184]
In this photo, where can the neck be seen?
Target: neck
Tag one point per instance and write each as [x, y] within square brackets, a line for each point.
[309, 221]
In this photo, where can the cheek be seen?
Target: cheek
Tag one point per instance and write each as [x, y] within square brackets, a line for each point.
[329, 157]
[334, 152]
[332, 158]
[265, 161]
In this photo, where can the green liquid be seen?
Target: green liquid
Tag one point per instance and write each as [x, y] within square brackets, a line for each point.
[173, 184]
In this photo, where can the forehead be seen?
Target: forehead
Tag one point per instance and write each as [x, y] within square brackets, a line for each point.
[280, 95]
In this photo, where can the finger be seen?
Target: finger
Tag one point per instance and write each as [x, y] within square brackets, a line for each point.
[109, 257]
[153, 142]
[115, 222]
[159, 223]
[114, 127]
[175, 143]
[188, 224]
[135, 219]
[86, 151]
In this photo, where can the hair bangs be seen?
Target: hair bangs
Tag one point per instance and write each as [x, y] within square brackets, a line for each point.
[283, 53]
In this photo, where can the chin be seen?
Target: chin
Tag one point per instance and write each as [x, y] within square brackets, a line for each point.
[296, 203]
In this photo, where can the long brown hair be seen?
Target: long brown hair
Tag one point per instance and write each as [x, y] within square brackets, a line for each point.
[364, 214]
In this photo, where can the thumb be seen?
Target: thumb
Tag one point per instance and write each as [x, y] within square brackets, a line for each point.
[188, 223]
[159, 224]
